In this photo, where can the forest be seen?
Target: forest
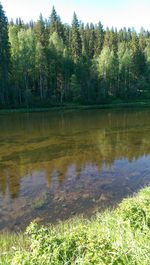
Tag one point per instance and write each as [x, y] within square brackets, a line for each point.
[50, 63]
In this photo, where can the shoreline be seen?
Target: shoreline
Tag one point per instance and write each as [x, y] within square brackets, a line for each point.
[138, 104]
[114, 235]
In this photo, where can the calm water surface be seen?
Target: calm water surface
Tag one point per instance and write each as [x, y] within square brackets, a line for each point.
[54, 165]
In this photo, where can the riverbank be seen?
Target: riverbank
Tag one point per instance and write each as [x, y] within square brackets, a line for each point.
[120, 236]
[79, 107]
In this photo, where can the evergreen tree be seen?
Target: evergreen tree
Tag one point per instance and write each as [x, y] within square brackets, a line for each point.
[75, 42]
[4, 58]
[15, 70]
[142, 40]
[91, 40]
[125, 64]
[107, 38]
[41, 57]
[99, 39]
[138, 58]
[83, 40]
[75, 89]
[53, 63]
[55, 24]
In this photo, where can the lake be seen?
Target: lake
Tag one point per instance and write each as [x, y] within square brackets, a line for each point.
[57, 165]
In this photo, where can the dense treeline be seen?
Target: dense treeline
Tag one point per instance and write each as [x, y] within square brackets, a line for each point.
[47, 63]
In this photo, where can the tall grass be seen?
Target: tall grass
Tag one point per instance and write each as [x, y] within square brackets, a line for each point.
[9, 244]
[119, 237]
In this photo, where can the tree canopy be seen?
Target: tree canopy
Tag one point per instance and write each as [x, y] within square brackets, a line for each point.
[47, 62]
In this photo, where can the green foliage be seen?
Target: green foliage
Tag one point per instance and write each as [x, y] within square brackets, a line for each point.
[56, 42]
[75, 41]
[75, 89]
[111, 238]
[38, 66]
[136, 210]
[55, 24]
[9, 244]
[99, 39]
[4, 58]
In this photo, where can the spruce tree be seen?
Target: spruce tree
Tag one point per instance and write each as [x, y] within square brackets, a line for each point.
[41, 56]
[138, 58]
[55, 24]
[75, 39]
[91, 41]
[4, 58]
[138, 65]
[99, 38]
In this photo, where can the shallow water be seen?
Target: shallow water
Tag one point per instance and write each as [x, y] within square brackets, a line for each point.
[55, 165]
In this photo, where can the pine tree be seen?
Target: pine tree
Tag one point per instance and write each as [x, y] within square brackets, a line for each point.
[4, 58]
[83, 40]
[137, 56]
[138, 64]
[75, 42]
[41, 56]
[91, 40]
[55, 24]
[99, 39]
[15, 67]
[142, 39]
[57, 63]
[107, 38]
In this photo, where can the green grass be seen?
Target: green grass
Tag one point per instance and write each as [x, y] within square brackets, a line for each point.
[117, 237]
[9, 243]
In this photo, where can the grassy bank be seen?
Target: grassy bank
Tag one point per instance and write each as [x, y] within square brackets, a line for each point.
[9, 243]
[79, 107]
[121, 236]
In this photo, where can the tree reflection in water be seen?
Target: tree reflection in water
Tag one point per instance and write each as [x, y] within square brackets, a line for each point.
[81, 160]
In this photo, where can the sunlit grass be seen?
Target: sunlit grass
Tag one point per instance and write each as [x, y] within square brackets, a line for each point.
[121, 236]
[9, 243]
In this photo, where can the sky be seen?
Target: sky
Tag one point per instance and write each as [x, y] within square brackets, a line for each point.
[116, 13]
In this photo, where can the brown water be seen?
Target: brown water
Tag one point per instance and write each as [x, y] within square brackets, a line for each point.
[54, 165]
